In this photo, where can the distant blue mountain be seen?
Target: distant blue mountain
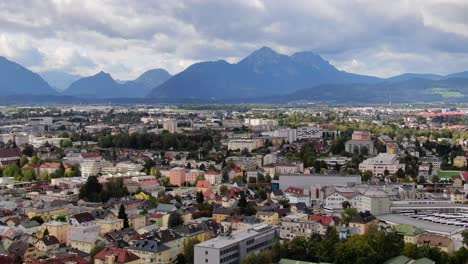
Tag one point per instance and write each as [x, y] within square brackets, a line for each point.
[58, 79]
[16, 79]
[409, 76]
[148, 80]
[262, 73]
[102, 85]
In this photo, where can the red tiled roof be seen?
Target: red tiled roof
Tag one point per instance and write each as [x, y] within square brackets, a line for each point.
[465, 175]
[90, 155]
[121, 255]
[295, 190]
[203, 184]
[71, 258]
[212, 172]
[322, 219]
[10, 153]
[53, 165]
[207, 193]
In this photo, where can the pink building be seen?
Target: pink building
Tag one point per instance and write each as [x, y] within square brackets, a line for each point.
[361, 135]
[177, 176]
[193, 175]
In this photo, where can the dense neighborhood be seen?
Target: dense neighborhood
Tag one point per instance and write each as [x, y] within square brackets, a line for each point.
[233, 184]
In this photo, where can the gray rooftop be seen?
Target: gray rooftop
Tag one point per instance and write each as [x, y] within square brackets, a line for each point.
[223, 241]
[425, 225]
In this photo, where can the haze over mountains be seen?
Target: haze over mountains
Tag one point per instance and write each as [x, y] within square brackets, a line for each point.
[263, 76]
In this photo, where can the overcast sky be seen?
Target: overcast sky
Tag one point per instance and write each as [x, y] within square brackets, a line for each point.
[125, 38]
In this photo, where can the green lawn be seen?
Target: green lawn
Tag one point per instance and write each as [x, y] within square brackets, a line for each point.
[446, 93]
[448, 174]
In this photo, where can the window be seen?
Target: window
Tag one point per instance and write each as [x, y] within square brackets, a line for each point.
[206, 260]
[206, 252]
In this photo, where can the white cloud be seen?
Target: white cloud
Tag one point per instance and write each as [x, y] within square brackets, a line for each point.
[127, 37]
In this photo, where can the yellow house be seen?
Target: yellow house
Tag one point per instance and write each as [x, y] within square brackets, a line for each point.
[142, 196]
[137, 221]
[113, 255]
[57, 229]
[85, 241]
[459, 161]
[443, 243]
[24, 250]
[151, 251]
[271, 218]
[363, 220]
[47, 214]
[109, 224]
[456, 196]
[409, 232]
[220, 213]
[47, 243]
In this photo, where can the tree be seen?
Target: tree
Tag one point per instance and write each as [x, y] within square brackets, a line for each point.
[34, 160]
[91, 190]
[200, 198]
[29, 174]
[37, 219]
[347, 215]
[346, 204]
[400, 173]
[28, 150]
[250, 259]
[180, 259]
[12, 170]
[66, 143]
[23, 161]
[435, 179]
[465, 237]
[366, 175]
[60, 218]
[355, 250]
[123, 215]
[223, 190]
[45, 233]
[326, 248]
[188, 249]
[386, 172]
[175, 220]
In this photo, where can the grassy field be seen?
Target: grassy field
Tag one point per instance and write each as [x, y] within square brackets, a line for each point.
[448, 174]
[446, 93]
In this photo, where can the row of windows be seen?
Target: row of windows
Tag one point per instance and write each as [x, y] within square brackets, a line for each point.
[257, 246]
[230, 257]
[227, 250]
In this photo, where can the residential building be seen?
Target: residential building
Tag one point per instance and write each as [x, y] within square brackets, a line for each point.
[460, 162]
[241, 144]
[57, 229]
[170, 125]
[410, 233]
[362, 221]
[381, 164]
[443, 243]
[9, 156]
[297, 225]
[233, 247]
[360, 143]
[109, 224]
[151, 251]
[177, 176]
[271, 218]
[213, 177]
[114, 255]
[457, 196]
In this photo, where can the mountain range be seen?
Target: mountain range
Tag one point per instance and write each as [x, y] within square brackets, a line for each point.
[263, 76]
[102, 85]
